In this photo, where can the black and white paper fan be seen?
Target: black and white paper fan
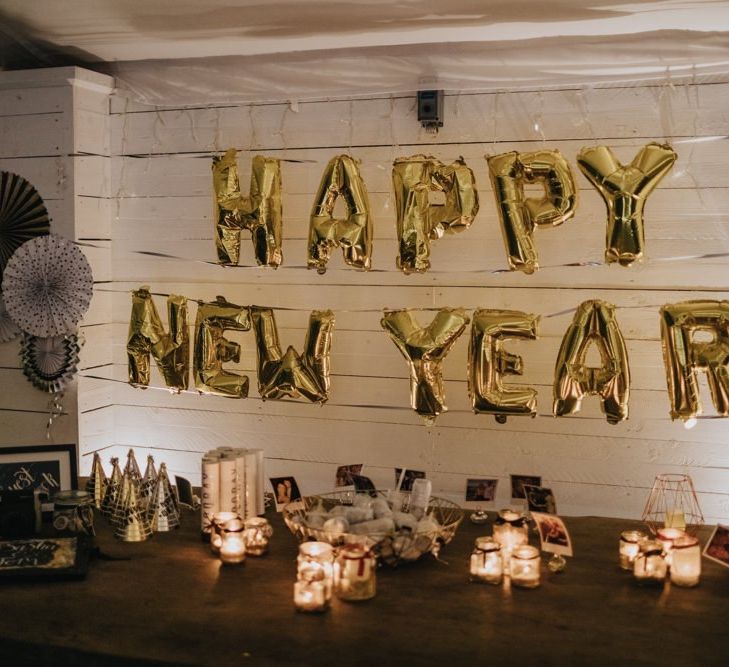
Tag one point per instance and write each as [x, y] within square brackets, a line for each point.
[50, 363]
[23, 216]
[8, 329]
[47, 286]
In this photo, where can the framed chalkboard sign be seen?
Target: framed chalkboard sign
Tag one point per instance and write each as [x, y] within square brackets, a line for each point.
[51, 557]
[46, 468]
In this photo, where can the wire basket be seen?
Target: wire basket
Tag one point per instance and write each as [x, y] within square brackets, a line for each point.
[391, 548]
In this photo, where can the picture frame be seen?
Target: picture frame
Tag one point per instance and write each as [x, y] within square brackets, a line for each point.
[481, 490]
[43, 468]
[553, 534]
[44, 558]
[285, 491]
[717, 548]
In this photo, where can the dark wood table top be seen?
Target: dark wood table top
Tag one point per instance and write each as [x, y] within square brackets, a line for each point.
[173, 603]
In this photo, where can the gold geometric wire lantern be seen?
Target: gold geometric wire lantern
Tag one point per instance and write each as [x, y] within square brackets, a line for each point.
[672, 503]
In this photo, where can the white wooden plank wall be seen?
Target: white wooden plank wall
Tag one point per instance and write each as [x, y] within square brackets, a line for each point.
[162, 202]
[54, 131]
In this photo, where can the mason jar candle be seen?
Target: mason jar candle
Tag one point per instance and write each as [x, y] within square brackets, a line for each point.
[650, 566]
[667, 536]
[354, 573]
[486, 563]
[685, 561]
[315, 562]
[525, 564]
[310, 596]
[216, 529]
[510, 531]
[232, 544]
[630, 546]
[258, 531]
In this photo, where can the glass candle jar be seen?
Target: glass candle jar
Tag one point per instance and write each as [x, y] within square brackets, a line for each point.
[525, 564]
[667, 536]
[650, 566]
[630, 546]
[685, 561]
[232, 543]
[257, 533]
[486, 564]
[216, 529]
[510, 531]
[354, 573]
[316, 563]
[310, 596]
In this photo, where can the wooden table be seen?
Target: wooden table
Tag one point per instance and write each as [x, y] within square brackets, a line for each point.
[173, 603]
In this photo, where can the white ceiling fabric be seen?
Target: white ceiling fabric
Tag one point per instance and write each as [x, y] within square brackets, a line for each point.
[215, 51]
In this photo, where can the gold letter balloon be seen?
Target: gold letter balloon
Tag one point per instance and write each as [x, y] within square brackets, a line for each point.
[419, 221]
[684, 356]
[488, 362]
[594, 323]
[260, 213]
[519, 214]
[212, 350]
[625, 190]
[353, 233]
[424, 348]
[147, 336]
[292, 375]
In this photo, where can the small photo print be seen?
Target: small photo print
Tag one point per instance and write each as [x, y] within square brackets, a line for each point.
[553, 534]
[481, 490]
[285, 491]
[364, 484]
[517, 485]
[540, 499]
[344, 474]
[408, 478]
[717, 548]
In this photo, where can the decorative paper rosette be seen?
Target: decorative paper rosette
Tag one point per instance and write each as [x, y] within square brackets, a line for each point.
[8, 328]
[22, 215]
[50, 363]
[47, 286]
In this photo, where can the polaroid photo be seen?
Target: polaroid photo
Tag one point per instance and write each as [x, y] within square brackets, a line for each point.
[285, 491]
[518, 482]
[554, 536]
[343, 478]
[540, 499]
[481, 490]
[408, 477]
[717, 548]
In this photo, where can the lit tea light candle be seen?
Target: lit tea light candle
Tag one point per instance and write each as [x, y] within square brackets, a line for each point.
[650, 566]
[216, 529]
[232, 545]
[675, 518]
[354, 573]
[310, 596]
[486, 562]
[510, 531]
[629, 547]
[525, 564]
[257, 534]
[685, 561]
[667, 536]
[315, 562]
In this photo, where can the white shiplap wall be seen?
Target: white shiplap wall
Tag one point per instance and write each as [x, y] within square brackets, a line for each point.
[54, 131]
[161, 201]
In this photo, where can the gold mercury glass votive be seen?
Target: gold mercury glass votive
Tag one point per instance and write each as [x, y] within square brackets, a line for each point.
[630, 546]
[486, 563]
[258, 532]
[310, 596]
[650, 566]
[232, 545]
[217, 524]
[315, 562]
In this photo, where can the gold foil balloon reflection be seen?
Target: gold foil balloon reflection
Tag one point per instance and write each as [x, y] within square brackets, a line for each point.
[212, 349]
[147, 337]
[520, 214]
[684, 356]
[418, 220]
[354, 233]
[625, 190]
[488, 362]
[594, 323]
[289, 374]
[424, 348]
[260, 212]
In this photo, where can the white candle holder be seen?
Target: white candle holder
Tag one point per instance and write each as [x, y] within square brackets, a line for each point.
[525, 567]
[630, 547]
[258, 532]
[217, 523]
[667, 536]
[650, 566]
[685, 561]
[310, 596]
[232, 545]
[486, 562]
[354, 573]
[315, 562]
[510, 531]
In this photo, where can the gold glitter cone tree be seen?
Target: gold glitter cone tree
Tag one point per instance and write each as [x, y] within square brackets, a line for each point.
[96, 484]
[149, 482]
[163, 510]
[130, 478]
[132, 467]
[113, 489]
[130, 520]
